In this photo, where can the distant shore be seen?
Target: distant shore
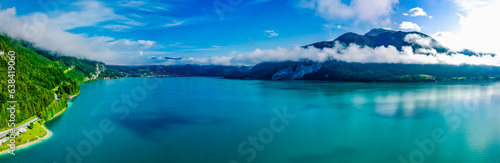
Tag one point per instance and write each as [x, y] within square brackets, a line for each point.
[48, 135]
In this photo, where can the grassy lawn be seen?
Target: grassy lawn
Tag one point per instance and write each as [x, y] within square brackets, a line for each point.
[28, 136]
[18, 124]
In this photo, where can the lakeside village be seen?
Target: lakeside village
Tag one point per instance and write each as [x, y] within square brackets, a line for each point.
[24, 133]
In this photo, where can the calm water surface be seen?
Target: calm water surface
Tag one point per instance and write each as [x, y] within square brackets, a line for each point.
[210, 120]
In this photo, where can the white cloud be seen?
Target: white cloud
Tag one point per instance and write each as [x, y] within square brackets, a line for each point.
[180, 45]
[129, 45]
[374, 11]
[117, 27]
[468, 5]
[427, 51]
[89, 13]
[185, 21]
[173, 24]
[409, 26]
[36, 29]
[449, 40]
[332, 26]
[419, 40]
[352, 53]
[145, 6]
[213, 47]
[270, 33]
[478, 29]
[417, 11]
[131, 3]
[159, 8]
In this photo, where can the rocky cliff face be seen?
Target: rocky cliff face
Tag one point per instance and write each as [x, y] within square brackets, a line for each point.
[285, 74]
[298, 72]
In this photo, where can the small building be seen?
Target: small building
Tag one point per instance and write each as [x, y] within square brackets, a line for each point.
[5, 139]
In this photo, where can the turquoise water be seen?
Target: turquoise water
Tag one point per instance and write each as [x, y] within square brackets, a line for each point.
[210, 120]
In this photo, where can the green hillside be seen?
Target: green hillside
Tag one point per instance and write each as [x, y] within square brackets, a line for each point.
[81, 70]
[38, 75]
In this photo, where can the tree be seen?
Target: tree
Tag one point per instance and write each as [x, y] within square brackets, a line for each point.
[31, 126]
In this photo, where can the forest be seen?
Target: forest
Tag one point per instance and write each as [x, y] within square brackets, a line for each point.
[39, 75]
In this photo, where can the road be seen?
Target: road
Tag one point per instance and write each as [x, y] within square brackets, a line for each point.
[4, 133]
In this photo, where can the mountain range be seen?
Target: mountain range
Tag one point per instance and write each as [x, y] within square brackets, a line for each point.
[370, 72]
[381, 37]
[337, 70]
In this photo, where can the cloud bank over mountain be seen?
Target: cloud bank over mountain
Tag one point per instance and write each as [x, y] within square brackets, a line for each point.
[409, 26]
[419, 40]
[351, 53]
[49, 34]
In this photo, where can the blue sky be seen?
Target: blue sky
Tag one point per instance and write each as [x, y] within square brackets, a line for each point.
[141, 29]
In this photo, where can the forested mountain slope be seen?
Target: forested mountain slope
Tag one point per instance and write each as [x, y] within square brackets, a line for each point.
[39, 75]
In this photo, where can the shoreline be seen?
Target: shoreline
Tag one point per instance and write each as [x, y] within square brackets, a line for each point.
[48, 135]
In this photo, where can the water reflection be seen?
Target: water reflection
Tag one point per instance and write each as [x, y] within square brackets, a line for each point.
[372, 116]
[398, 100]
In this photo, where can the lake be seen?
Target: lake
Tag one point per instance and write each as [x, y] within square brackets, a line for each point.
[212, 120]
